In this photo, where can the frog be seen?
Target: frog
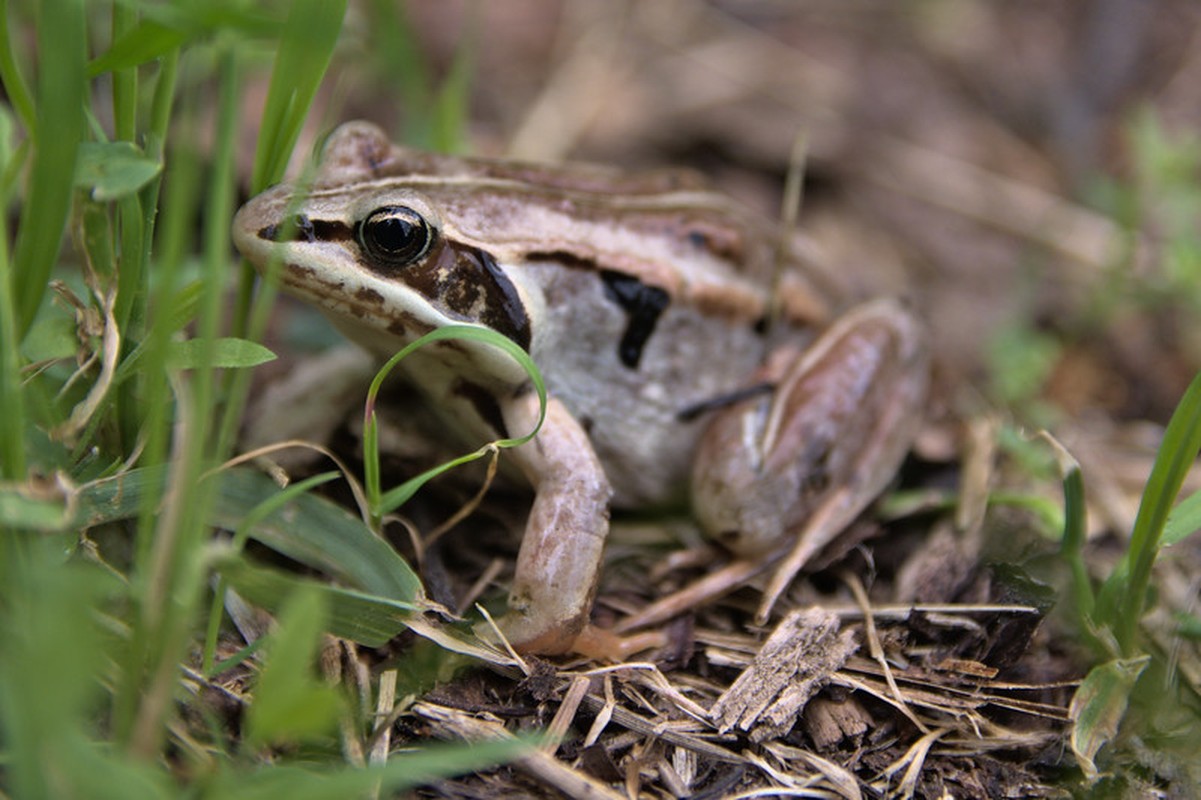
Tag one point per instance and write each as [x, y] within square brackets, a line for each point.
[692, 350]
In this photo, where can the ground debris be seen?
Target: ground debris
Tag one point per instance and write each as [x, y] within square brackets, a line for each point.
[794, 663]
[829, 721]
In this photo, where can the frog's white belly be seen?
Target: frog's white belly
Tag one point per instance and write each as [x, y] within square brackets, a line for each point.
[632, 414]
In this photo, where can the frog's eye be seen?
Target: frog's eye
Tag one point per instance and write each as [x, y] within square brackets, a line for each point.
[395, 236]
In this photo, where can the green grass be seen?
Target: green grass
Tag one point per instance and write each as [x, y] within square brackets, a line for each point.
[121, 392]
[381, 503]
[1132, 702]
[1108, 617]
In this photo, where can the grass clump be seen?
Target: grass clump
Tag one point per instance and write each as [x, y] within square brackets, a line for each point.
[124, 370]
[1134, 695]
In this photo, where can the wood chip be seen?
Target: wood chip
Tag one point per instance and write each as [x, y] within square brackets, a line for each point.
[793, 664]
[829, 722]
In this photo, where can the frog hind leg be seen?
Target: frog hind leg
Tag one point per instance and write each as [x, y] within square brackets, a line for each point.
[798, 465]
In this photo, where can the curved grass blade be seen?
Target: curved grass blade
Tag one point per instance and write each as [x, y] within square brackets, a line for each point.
[382, 504]
[1074, 528]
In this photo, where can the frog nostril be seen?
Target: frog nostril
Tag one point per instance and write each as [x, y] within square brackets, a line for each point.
[304, 231]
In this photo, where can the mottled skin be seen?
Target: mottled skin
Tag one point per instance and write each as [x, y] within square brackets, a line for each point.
[650, 303]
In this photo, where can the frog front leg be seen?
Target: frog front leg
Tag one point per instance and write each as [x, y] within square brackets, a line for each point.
[782, 474]
[559, 563]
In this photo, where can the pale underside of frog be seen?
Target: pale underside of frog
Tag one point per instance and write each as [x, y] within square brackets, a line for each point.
[689, 349]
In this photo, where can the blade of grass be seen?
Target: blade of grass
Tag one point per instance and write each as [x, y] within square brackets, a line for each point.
[138, 213]
[1126, 588]
[306, 47]
[125, 80]
[58, 129]
[290, 704]
[12, 401]
[1074, 528]
[402, 771]
[1184, 521]
[53, 651]
[382, 504]
[369, 619]
[1098, 707]
[169, 308]
[166, 28]
[131, 278]
[311, 530]
[320, 534]
[143, 405]
[10, 73]
[258, 513]
[134, 45]
[171, 572]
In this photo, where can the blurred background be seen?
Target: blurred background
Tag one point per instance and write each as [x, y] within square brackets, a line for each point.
[1024, 171]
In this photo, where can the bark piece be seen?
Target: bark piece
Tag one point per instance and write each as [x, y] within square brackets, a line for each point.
[793, 664]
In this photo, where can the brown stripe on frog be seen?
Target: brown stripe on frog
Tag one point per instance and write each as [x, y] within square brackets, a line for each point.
[689, 224]
[467, 284]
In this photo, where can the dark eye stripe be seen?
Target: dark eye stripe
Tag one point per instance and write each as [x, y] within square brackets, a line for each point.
[468, 283]
[308, 230]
